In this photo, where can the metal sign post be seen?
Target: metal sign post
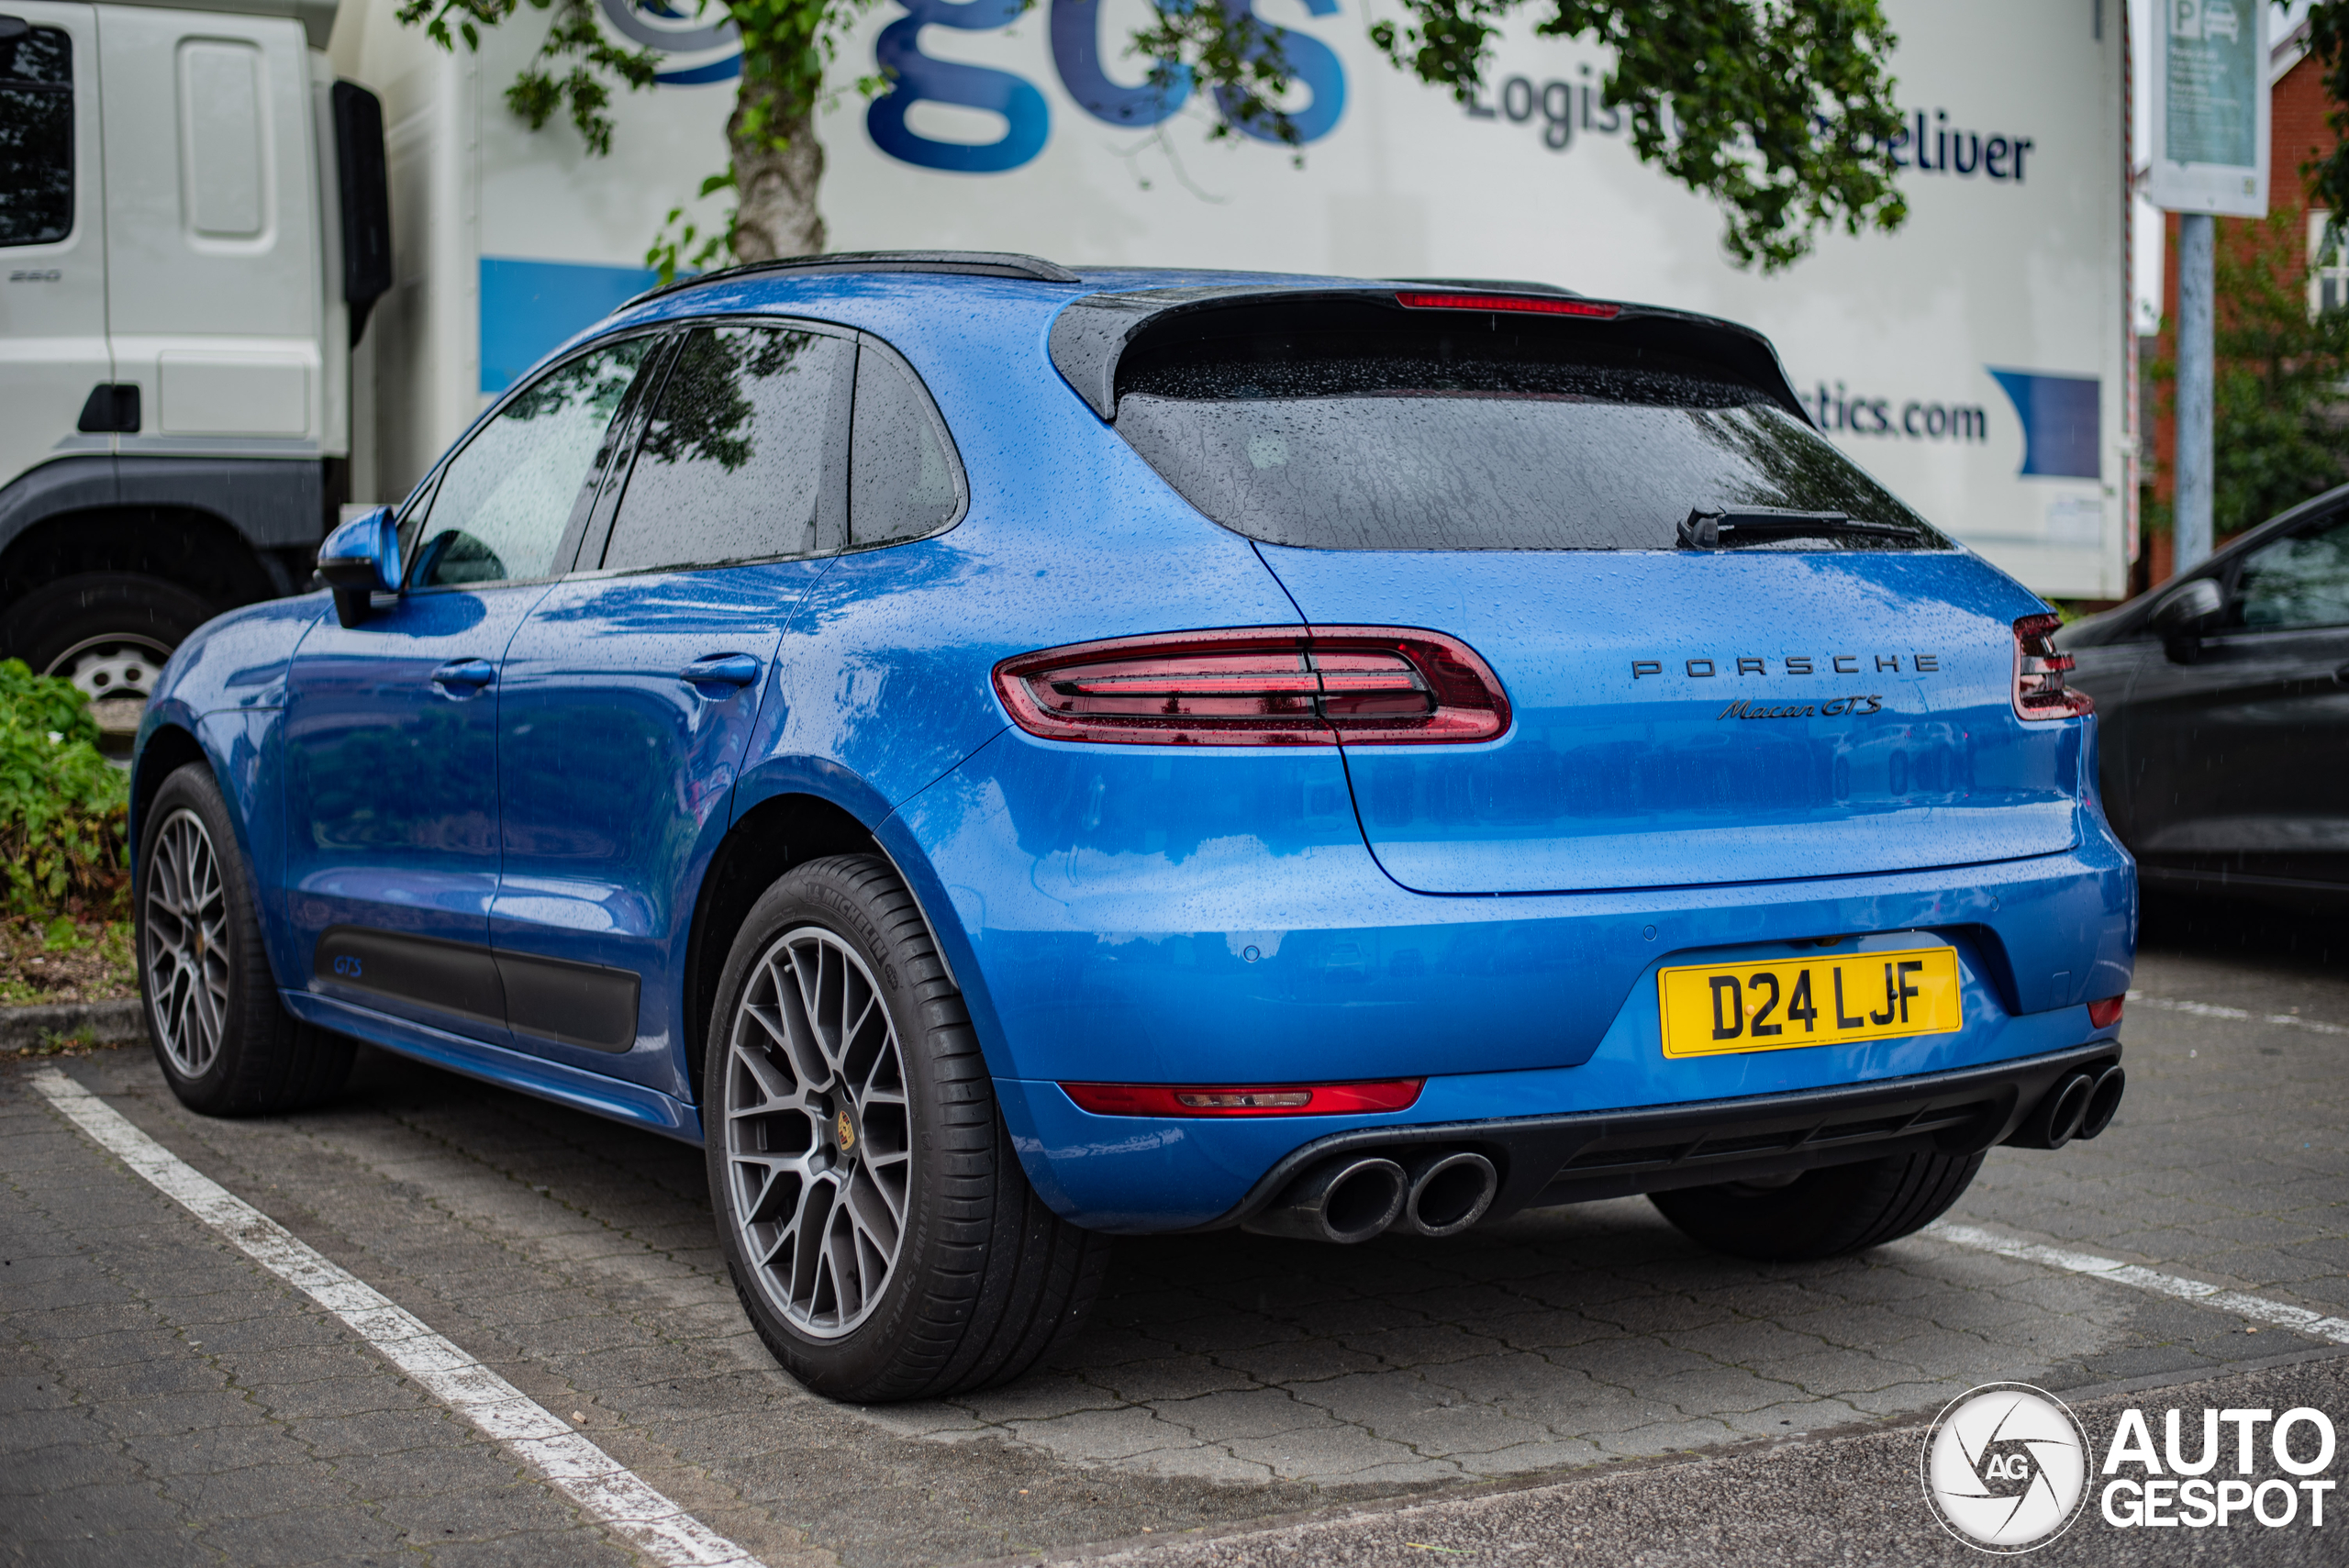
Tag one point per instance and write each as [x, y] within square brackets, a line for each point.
[2210, 86]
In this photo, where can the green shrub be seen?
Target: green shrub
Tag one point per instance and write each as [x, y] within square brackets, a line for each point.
[64, 810]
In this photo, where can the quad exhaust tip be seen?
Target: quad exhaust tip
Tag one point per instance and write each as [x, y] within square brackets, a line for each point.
[2080, 1106]
[1352, 1198]
[1449, 1192]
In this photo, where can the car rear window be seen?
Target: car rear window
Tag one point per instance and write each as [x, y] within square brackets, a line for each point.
[1469, 435]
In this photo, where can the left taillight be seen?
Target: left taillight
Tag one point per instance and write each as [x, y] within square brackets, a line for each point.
[2040, 673]
[1259, 686]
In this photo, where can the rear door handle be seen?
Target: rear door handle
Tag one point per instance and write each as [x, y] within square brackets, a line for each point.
[720, 670]
[470, 674]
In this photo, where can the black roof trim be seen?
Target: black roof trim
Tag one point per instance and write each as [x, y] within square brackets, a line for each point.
[1092, 334]
[975, 263]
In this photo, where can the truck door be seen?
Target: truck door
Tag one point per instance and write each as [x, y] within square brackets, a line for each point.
[216, 278]
[53, 353]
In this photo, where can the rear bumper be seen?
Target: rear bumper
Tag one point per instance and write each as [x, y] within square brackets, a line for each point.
[1550, 1160]
[1132, 918]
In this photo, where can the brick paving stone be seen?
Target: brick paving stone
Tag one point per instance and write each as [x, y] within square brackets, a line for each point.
[1224, 1377]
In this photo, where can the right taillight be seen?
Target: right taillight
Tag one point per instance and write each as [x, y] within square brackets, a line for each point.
[2039, 671]
[2103, 1014]
[1259, 686]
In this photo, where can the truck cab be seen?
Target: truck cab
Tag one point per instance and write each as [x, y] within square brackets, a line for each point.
[193, 223]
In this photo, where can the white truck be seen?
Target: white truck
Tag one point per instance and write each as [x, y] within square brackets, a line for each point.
[194, 224]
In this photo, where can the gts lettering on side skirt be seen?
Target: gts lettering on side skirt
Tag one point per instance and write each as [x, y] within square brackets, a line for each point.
[1720, 1009]
[572, 1004]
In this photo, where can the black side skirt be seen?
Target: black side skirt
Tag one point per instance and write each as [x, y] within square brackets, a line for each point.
[582, 1005]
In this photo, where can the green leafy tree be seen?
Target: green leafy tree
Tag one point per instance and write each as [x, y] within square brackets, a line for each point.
[2277, 429]
[1780, 110]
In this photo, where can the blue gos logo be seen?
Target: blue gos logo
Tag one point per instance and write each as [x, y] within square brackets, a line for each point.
[1077, 57]
[674, 26]
[347, 967]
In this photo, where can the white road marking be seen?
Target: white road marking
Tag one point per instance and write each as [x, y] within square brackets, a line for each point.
[603, 1487]
[2299, 1320]
[2210, 1010]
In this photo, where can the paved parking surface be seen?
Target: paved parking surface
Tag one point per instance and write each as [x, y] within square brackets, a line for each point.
[163, 1399]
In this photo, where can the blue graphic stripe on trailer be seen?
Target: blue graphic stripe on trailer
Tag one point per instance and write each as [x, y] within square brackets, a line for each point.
[528, 308]
[2062, 421]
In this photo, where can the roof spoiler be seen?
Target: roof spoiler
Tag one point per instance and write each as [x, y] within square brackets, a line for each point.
[1092, 335]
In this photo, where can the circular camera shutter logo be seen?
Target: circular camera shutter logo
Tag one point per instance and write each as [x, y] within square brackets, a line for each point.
[2006, 1467]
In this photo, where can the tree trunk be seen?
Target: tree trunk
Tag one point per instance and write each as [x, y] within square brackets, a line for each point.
[776, 186]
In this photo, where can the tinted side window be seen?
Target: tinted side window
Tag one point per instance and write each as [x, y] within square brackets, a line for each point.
[2300, 580]
[507, 501]
[36, 138]
[733, 462]
[901, 474]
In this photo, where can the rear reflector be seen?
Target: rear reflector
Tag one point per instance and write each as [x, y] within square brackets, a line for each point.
[2040, 670]
[1259, 686]
[1535, 304]
[1244, 1099]
[2105, 1014]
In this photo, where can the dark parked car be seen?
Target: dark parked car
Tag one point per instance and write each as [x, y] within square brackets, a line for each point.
[2226, 708]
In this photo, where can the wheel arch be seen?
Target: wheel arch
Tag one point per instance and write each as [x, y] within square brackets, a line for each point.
[188, 547]
[175, 737]
[778, 833]
[168, 748]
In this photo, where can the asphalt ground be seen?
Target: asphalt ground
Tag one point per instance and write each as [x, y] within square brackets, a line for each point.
[1577, 1382]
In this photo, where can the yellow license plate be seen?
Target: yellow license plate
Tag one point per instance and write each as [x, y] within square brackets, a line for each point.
[1718, 1009]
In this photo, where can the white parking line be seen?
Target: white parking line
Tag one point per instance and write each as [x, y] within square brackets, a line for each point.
[601, 1485]
[2299, 1320]
[2210, 1010]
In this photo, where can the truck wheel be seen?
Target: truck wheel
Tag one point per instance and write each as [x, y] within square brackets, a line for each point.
[107, 632]
[228, 1047]
[1823, 1213]
[878, 1227]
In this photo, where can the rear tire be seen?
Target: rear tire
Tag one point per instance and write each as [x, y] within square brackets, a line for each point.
[876, 1223]
[227, 1045]
[1824, 1213]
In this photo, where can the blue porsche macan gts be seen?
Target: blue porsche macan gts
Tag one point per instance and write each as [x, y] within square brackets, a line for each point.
[1003, 757]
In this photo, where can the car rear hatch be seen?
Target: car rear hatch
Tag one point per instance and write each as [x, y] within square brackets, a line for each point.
[1728, 654]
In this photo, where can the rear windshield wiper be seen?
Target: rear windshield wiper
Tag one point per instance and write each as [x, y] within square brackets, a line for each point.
[1727, 530]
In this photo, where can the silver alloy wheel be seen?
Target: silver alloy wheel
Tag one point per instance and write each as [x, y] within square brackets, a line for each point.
[186, 943]
[818, 1144]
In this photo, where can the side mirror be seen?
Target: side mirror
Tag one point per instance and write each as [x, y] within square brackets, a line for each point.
[2180, 619]
[359, 560]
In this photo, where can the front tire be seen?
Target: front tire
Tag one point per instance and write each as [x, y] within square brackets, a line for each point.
[1824, 1213]
[880, 1233]
[227, 1045]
